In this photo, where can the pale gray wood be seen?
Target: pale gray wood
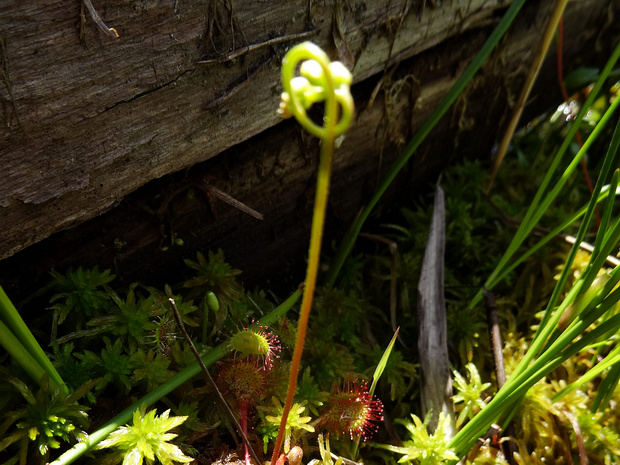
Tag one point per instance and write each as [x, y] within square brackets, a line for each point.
[435, 376]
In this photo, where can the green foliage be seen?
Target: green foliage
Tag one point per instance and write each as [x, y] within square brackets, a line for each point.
[399, 375]
[426, 449]
[452, 95]
[338, 315]
[150, 348]
[469, 393]
[182, 354]
[9, 396]
[75, 370]
[79, 293]
[150, 368]
[217, 276]
[131, 319]
[489, 454]
[328, 362]
[296, 423]
[214, 273]
[113, 365]
[601, 431]
[546, 427]
[49, 418]
[185, 308]
[286, 331]
[309, 393]
[467, 329]
[146, 439]
[192, 413]
[347, 322]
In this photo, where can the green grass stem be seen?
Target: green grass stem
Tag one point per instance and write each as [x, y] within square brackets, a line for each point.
[19, 341]
[19, 353]
[320, 80]
[351, 236]
[542, 200]
[611, 359]
[547, 238]
[552, 346]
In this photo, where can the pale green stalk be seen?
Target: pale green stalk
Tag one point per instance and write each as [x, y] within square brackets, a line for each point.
[320, 81]
[611, 359]
[19, 353]
[608, 209]
[375, 379]
[548, 322]
[382, 363]
[548, 238]
[605, 390]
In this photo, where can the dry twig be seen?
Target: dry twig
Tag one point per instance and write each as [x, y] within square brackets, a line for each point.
[230, 413]
[249, 48]
[110, 31]
[527, 87]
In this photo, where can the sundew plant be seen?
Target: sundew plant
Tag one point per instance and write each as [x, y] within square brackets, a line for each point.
[237, 380]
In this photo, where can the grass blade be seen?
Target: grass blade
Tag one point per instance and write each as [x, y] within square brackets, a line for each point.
[349, 240]
[16, 325]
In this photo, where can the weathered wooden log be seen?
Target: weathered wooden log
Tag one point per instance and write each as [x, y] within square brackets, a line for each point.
[88, 119]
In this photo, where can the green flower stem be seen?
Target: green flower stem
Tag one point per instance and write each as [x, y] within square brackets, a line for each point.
[608, 209]
[318, 219]
[156, 394]
[325, 86]
[606, 388]
[375, 380]
[547, 37]
[349, 240]
[18, 340]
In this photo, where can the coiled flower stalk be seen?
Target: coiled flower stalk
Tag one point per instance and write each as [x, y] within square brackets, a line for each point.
[319, 80]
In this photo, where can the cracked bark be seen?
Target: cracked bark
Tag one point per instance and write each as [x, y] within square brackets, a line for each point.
[102, 117]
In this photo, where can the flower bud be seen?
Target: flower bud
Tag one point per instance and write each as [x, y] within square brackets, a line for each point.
[312, 70]
[341, 75]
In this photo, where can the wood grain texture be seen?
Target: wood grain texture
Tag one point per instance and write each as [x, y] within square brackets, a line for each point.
[86, 122]
[169, 119]
[435, 375]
